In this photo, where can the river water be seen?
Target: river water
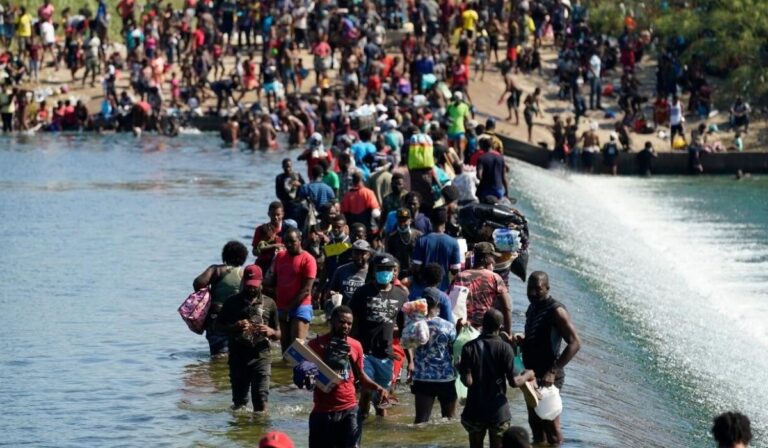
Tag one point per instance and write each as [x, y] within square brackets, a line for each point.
[666, 280]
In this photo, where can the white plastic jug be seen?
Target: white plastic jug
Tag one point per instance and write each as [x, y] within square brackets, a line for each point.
[505, 240]
[550, 404]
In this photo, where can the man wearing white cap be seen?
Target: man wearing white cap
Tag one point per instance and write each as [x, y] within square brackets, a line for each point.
[459, 115]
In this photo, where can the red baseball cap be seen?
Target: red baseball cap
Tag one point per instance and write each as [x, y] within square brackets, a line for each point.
[276, 439]
[253, 276]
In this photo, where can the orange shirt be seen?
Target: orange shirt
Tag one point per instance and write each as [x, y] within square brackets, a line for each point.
[359, 200]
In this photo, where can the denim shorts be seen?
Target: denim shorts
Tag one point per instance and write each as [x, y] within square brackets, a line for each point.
[379, 370]
[456, 136]
[303, 312]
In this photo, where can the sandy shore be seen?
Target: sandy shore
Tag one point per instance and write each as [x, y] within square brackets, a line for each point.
[484, 95]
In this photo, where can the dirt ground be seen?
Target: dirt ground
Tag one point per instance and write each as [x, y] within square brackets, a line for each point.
[484, 95]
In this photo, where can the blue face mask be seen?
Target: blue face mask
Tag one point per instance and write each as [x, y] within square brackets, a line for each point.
[384, 277]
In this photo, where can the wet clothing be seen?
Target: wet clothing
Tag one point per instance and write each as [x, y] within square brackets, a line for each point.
[250, 366]
[376, 312]
[491, 363]
[541, 347]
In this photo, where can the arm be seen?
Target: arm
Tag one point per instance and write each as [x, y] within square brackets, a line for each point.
[523, 378]
[505, 178]
[306, 289]
[503, 303]
[565, 327]
[204, 279]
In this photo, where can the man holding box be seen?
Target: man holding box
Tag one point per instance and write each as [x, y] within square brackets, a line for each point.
[333, 422]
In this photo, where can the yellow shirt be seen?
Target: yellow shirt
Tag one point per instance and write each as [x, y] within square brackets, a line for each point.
[24, 26]
[469, 19]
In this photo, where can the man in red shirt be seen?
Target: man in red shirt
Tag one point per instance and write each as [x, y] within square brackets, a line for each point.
[293, 272]
[333, 422]
[265, 245]
[360, 205]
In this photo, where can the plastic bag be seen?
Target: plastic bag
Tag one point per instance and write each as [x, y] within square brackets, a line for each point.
[466, 334]
[416, 331]
[550, 404]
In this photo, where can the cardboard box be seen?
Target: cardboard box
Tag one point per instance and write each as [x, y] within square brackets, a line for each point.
[326, 379]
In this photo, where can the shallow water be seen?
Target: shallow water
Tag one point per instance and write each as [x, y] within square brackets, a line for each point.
[101, 237]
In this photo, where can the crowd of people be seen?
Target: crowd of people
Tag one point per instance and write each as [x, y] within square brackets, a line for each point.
[361, 253]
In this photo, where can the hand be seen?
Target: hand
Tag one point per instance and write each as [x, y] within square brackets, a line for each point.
[264, 330]
[242, 324]
[519, 338]
[383, 395]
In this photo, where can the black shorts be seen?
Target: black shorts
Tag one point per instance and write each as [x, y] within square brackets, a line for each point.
[513, 102]
[676, 129]
[444, 391]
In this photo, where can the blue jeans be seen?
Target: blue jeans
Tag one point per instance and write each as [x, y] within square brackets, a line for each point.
[595, 91]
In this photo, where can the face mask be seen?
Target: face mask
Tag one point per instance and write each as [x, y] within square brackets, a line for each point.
[384, 277]
[338, 236]
[403, 229]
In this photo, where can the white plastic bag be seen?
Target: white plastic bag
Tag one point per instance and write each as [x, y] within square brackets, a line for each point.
[550, 405]
[458, 296]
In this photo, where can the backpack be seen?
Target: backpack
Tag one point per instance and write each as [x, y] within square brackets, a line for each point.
[194, 310]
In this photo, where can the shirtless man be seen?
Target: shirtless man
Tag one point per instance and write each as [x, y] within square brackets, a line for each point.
[267, 133]
[513, 101]
[230, 131]
[591, 144]
[294, 127]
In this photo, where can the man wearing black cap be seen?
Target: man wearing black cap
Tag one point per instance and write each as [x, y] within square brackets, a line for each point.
[402, 240]
[376, 308]
[486, 366]
[250, 320]
[487, 289]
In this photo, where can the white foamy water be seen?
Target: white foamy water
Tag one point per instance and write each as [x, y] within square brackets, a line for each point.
[690, 275]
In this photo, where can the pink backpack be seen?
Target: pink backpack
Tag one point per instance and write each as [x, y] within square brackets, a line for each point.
[194, 310]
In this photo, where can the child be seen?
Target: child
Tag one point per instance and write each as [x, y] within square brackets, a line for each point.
[270, 239]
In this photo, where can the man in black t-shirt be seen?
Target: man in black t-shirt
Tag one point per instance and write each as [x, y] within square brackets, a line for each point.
[485, 366]
[377, 311]
[351, 276]
[402, 240]
[250, 320]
